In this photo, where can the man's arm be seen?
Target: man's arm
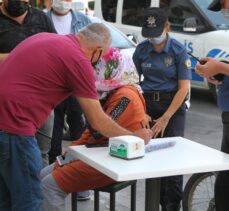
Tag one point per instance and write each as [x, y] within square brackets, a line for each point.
[3, 56]
[211, 67]
[101, 122]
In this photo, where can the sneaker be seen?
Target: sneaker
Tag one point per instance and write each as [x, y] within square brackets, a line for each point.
[83, 196]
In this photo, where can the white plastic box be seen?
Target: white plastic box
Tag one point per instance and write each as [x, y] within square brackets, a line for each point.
[127, 147]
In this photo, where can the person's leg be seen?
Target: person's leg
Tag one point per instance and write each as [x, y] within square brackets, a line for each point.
[21, 173]
[75, 118]
[57, 134]
[77, 176]
[54, 197]
[46, 171]
[76, 122]
[5, 202]
[172, 187]
[43, 142]
[171, 193]
[222, 180]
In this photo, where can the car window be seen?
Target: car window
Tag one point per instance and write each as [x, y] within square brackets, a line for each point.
[179, 11]
[132, 13]
[109, 9]
[79, 6]
[86, 7]
[215, 17]
[119, 40]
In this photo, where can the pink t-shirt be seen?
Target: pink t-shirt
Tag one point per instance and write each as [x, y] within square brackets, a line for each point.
[39, 73]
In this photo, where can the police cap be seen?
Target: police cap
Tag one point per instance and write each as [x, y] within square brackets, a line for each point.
[153, 22]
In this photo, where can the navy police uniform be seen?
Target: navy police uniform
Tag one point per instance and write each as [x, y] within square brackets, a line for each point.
[161, 72]
[222, 181]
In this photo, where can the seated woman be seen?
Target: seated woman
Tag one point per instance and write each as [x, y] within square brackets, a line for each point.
[120, 96]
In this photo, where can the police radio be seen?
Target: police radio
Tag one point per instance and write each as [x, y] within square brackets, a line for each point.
[218, 77]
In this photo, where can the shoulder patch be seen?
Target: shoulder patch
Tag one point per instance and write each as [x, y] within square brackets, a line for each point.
[188, 63]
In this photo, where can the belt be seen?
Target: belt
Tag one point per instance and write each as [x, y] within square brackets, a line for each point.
[158, 96]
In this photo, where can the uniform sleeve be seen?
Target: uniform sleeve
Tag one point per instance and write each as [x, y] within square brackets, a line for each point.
[137, 62]
[184, 66]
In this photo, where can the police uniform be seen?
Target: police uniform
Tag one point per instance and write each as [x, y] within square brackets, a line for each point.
[223, 103]
[222, 181]
[161, 72]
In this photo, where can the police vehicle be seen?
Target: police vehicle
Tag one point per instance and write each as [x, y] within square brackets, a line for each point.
[84, 6]
[203, 32]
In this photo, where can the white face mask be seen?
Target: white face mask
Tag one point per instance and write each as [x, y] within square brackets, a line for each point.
[61, 6]
[225, 13]
[157, 40]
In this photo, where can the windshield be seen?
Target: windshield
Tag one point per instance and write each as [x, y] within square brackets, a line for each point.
[118, 39]
[216, 17]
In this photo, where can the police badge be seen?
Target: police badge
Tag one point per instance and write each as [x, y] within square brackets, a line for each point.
[168, 61]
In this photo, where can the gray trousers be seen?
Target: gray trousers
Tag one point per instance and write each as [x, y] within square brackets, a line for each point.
[54, 197]
[43, 142]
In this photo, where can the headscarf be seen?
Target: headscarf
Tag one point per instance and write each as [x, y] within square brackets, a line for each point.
[115, 69]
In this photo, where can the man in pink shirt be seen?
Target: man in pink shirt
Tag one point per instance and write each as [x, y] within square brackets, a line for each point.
[39, 73]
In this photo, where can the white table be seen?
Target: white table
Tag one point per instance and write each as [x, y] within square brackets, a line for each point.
[186, 157]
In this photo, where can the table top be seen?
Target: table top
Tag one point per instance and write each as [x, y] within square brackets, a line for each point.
[186, 157]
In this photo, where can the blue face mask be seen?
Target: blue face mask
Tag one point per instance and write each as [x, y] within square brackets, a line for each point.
[157, 40]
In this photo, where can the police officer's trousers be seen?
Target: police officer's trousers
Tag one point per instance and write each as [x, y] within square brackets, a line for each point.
[222, 180]
[171, 187]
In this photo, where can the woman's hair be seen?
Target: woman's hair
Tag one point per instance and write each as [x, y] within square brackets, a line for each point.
[96, 35]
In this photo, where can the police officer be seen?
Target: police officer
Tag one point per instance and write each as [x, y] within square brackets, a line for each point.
[209, 70]
[165, 66]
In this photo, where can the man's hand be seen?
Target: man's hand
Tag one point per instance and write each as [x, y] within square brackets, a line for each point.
[214, 81]
[144, 133]
[209, 69]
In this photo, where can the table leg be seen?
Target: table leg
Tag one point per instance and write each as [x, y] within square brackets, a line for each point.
[152, 194]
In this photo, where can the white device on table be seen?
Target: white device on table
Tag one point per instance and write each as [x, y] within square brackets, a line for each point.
[127, 147]
[64, 159]
[157, 144]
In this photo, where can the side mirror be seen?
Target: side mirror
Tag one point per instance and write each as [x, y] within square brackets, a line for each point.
[132, 37]
[190, 25]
